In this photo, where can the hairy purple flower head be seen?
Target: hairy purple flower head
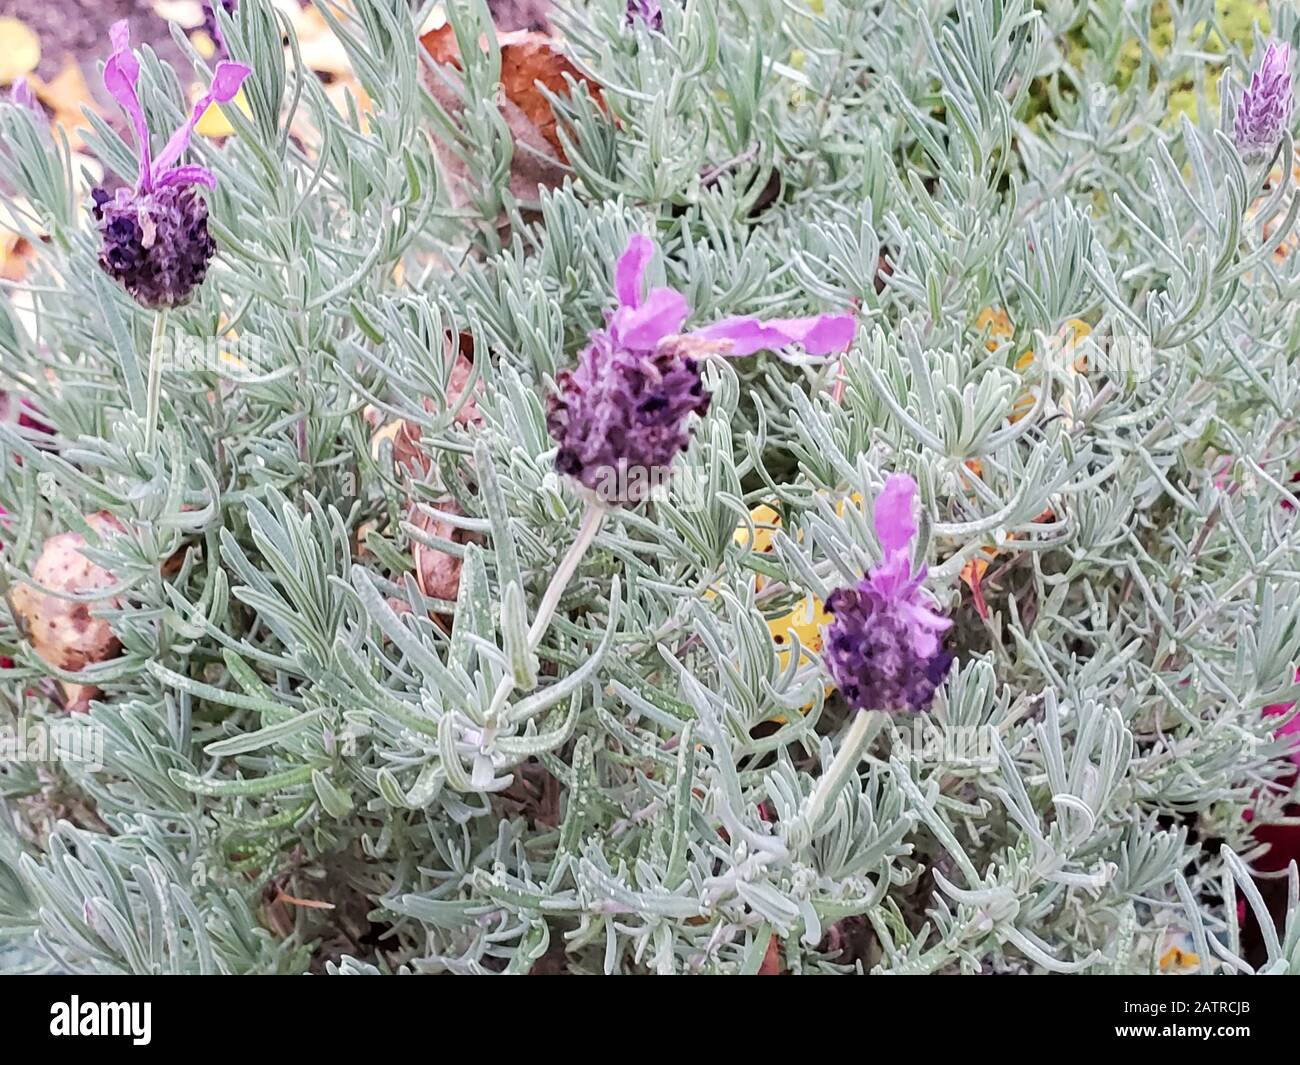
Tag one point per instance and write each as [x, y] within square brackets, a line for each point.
[620, 416]
[1265, 107]
[883, 647]
[155, 235]
[648, 11]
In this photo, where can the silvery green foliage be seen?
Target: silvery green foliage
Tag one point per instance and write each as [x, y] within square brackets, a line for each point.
[286, 716]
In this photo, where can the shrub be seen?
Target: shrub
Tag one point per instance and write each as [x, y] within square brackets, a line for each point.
[335, 720]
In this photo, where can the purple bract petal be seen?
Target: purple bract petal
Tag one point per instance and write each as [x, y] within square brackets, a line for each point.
[121, 75]
[620, 417]
[648, 11]
[824, 334]
[21, 94]
[227, 80]
[225, 84]
[643, 327]
[629, 274]
[895, 524]
[188, 175]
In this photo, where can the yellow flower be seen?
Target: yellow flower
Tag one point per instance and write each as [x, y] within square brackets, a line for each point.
[805, 621]
[997, 324]
[215, 124]
[20, 50]
[766, 522]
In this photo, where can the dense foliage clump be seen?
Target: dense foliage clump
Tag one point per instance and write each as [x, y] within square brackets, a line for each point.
[953, 627]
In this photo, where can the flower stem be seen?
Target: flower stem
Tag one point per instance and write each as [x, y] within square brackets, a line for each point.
[153, 396]
[865, 725]
[591, 522]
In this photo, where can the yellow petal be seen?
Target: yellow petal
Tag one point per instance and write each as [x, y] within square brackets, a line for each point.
[215, 124]
[321, 50]
[1074, 332]
[762, 515]
[20, 50]
[203, 44]
[805, 621]
[994, 320]
[855, 498]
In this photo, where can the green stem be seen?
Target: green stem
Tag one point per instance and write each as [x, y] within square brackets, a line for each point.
[591, 522]
[865, 725]
[153, 397]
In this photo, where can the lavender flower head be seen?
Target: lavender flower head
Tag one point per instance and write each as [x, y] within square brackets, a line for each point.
[883, 648]
[620, 416]
[155, 235]
[1265, 107]
[648, 11]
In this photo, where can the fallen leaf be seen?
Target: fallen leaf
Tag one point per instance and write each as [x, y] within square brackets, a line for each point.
[66, 94]
[437, 572]
[405, 435]
[532, 59]
[64, 632]
[771, 963]
[528, 60]
[16, 251]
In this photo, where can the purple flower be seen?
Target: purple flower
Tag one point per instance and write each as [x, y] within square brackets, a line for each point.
[155, 235]
[20, 95]
[620, 416]
[1265, 107]
[883, 647]
[648, 11]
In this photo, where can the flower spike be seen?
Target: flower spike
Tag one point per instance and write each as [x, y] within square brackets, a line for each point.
[620, 416]
[155, 235]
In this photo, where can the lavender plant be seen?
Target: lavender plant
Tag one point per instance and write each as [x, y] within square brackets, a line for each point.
[1041, 481]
